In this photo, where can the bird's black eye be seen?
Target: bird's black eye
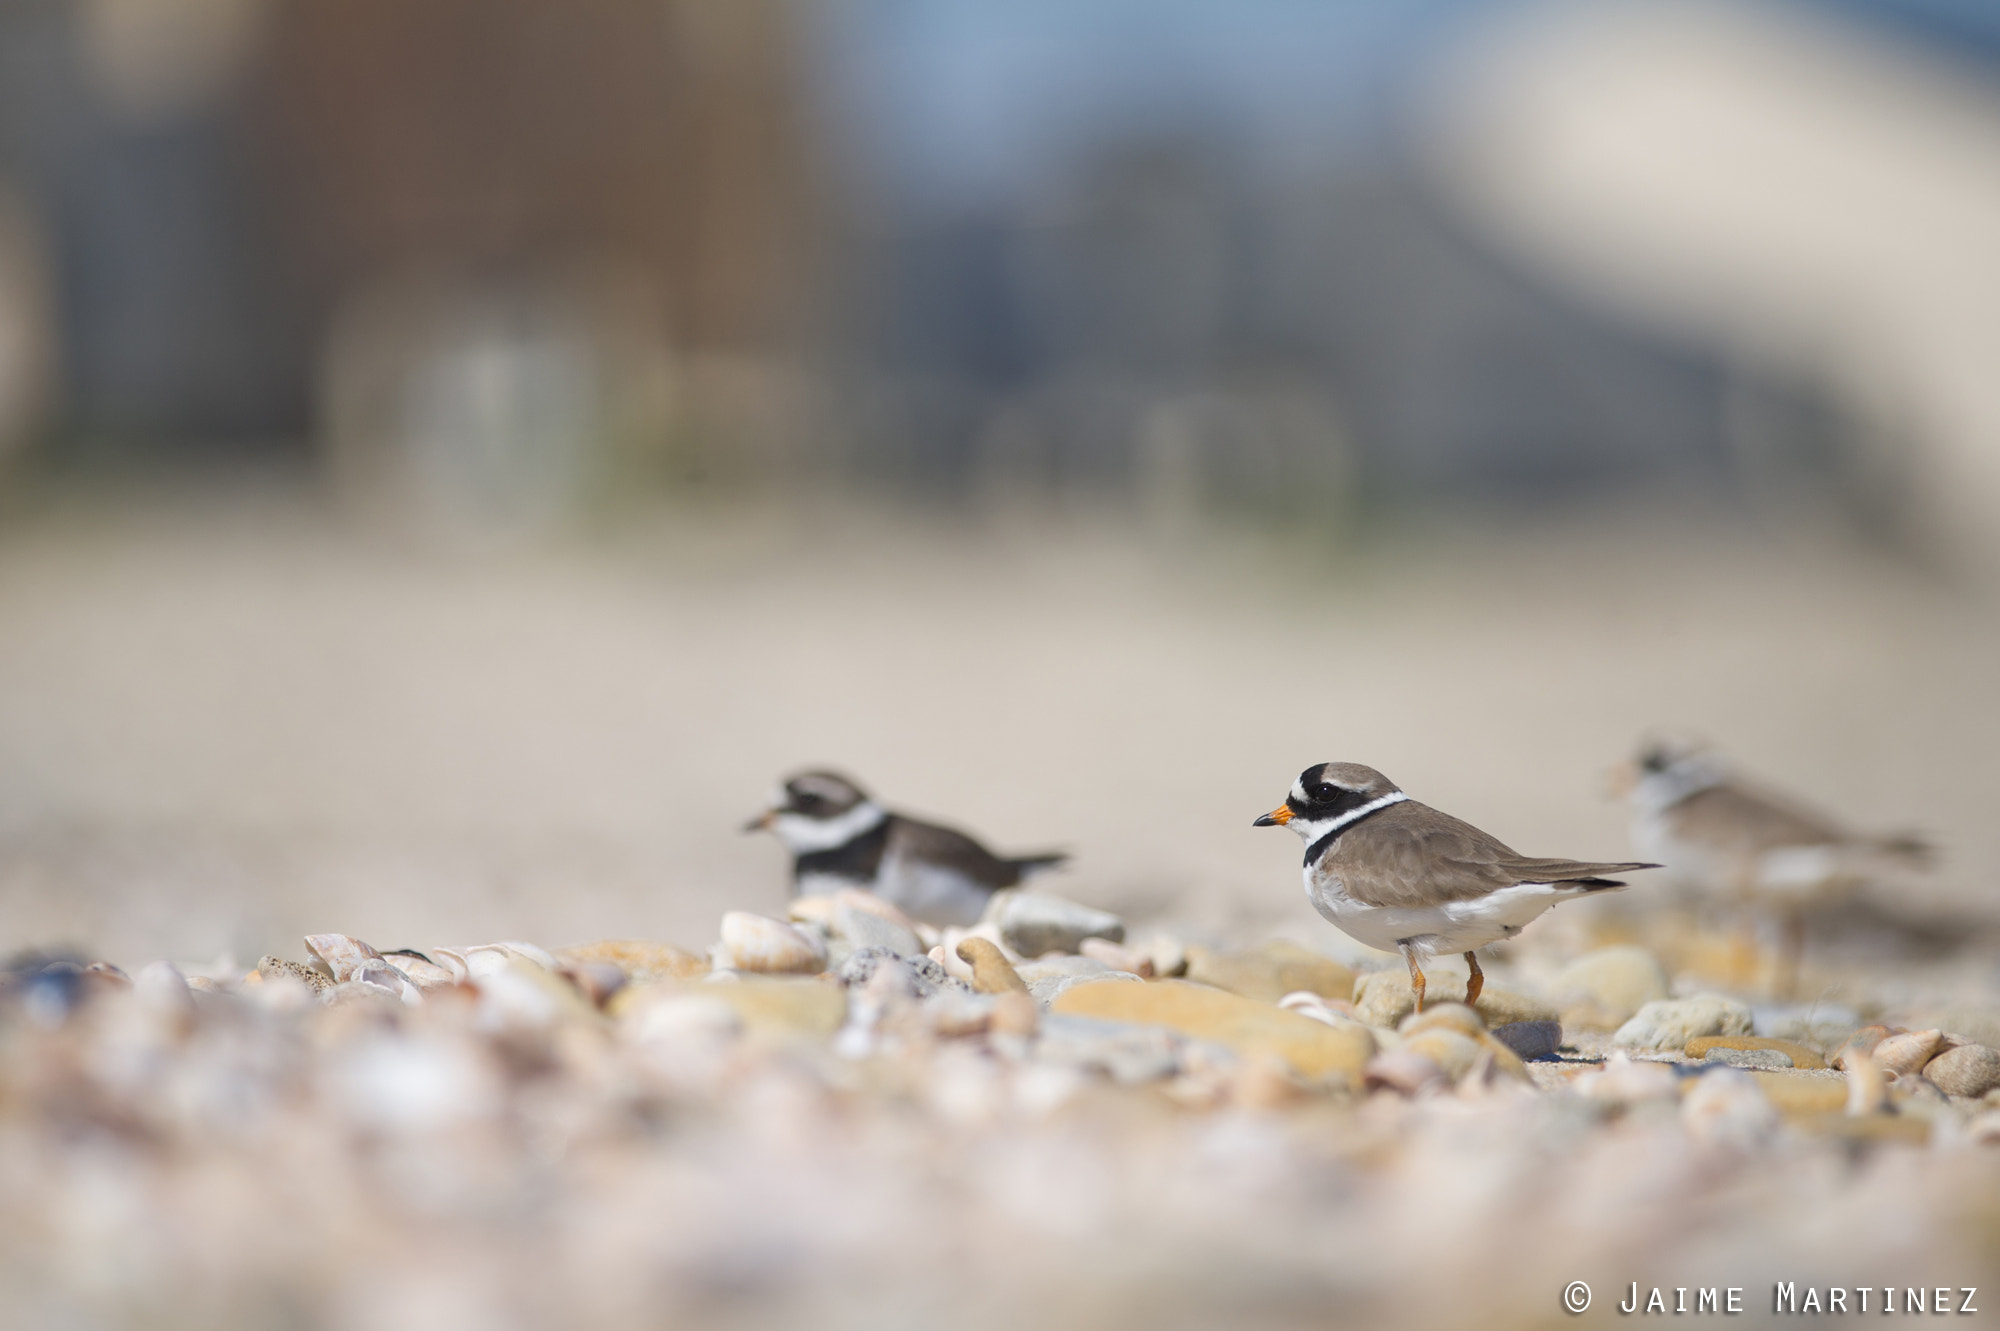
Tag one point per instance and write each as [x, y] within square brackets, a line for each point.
[805, 799]
[1325, 791]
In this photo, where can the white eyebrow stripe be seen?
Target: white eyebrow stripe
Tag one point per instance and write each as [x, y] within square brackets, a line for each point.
[1393, 797]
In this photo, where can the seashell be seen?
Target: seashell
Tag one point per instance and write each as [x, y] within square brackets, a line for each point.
[420, 969]
[1867, 1085]
[815, 909]
[386, 977]
[1904, 1055]
[1117, 956]
[1966, 1069]
[105, 971]
[1327, 1011]
[453, 960]
[341, 955]
[1862, 1041]
[484, 959]
[310, 976]
[1444, 1016]
[760, 943]
[522, 995]
[530, 952]
[1407, 1072]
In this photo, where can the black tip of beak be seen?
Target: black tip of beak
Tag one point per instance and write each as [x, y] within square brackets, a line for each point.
[758, 824]
[1265, 820]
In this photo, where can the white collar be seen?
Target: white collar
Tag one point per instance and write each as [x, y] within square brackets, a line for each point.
[806, 836]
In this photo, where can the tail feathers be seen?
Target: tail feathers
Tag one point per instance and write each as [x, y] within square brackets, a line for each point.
[1027, 866]
[1580, 873]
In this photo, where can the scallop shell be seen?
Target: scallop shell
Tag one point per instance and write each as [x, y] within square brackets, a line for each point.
[760, 943]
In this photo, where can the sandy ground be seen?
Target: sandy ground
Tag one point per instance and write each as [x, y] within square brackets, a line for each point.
[226, 721]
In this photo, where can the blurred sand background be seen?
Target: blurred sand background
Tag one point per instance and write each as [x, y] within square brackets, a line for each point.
[228, 722]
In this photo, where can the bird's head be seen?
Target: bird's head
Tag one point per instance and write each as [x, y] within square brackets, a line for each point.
[1324, 795]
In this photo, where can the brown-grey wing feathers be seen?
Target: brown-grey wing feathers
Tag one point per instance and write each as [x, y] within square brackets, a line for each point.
[1412, 855]
[950, 849]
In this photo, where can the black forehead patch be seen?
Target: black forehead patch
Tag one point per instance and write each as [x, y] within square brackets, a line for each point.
[1312, 775]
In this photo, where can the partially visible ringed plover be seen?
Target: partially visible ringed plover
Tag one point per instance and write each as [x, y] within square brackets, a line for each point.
[839, 837]
[1402, 877]
[1725, 836]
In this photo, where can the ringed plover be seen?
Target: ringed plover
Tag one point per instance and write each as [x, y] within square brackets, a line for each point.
[1718, 833]
[839, 837]
[1401, 876]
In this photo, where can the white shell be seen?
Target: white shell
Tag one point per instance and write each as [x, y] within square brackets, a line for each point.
[342, 956]
[353, 961]
[760, 943]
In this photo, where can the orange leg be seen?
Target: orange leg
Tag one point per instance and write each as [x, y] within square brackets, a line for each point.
[1416, 975]
[1475, 982]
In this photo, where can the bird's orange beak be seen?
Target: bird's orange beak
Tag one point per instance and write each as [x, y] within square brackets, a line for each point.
[762, 821]
[1277, 817]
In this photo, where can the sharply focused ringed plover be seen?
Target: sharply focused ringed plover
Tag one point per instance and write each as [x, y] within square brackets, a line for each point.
[1402, 877]
[839, 837]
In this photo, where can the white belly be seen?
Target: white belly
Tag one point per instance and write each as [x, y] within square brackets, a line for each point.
[1458, 926]
[931, 894]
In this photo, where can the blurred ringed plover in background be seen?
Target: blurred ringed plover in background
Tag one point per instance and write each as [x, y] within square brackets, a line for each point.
[1720, 834]
[839, 837]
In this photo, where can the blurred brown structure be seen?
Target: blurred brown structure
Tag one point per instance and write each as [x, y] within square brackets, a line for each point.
[492, 135]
